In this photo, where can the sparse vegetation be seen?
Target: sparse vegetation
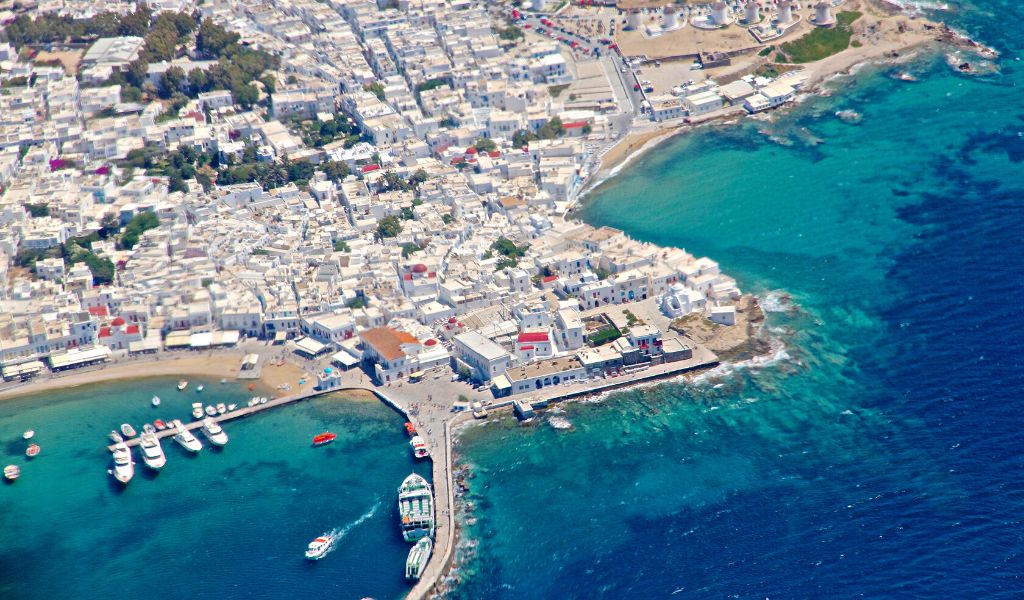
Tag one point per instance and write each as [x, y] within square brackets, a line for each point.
[822, 42]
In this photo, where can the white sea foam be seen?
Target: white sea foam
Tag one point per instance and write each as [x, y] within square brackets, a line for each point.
[338, 534]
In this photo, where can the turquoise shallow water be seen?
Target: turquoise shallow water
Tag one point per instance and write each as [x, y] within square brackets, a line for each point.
[876, 453]
[229, 523]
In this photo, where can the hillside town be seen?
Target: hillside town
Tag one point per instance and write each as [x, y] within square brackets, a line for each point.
[384, 185]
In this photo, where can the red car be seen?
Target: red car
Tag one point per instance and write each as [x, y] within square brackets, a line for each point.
[636, 87]
[527, 26]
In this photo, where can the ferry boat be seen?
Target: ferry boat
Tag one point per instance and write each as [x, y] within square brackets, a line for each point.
[12, 472]
[213, 432]
[127, 430]
[152, 453]
[124, 468]
[419, 556]
[419, 447]
[32, 450]
[324, 438]
[319, 547]
[187, 440]
[197, 410]
[182, 385]
[416, 507]
[155, 401]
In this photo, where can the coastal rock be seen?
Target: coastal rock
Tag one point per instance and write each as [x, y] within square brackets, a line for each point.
[742, 341]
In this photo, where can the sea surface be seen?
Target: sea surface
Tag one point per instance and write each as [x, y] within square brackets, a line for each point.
[878, 452]
[224, 523]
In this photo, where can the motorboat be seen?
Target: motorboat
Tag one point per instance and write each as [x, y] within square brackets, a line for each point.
[200, 387]
[32, 450]
[324, 438]
[127, 430]
[28, 435]
[419, 447]
[418, 558]
[197, 410]
[160, 425]
[182, 385]
[211, 411]
[213, 432]
[263, 399]
[416, 508]
[319, 547]
[187, 440]
[124, 468]
[115, 437]
[221, 408]
[148, 428]
[156, 400]
[223, 380]
[410, 429]
[232, 407]
[11, 472]
[152, 452]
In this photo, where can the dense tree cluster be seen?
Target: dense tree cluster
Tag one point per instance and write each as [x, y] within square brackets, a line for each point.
[48, 28]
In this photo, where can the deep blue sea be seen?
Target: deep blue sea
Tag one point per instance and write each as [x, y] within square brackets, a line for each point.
[879, 453]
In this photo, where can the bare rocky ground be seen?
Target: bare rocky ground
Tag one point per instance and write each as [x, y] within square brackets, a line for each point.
[741, 341]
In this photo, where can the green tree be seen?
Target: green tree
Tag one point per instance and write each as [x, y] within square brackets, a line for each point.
[389, 227]
[408, 249]
[38, 210]
[551, 129]
[341, 246]
[335, 170]
[522, 138]
[172, 82]
[213, 39]
[139, 224]
[357, 302]
[447, 218]
[376, 88]
[485, 145]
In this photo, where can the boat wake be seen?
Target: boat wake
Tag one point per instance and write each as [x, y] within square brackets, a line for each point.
[336, 535]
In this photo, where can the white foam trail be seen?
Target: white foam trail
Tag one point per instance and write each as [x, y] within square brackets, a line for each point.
[338, 534]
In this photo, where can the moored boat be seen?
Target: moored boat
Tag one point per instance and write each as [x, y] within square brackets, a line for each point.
[410, 429]
[419, 447]
[152, 453]
[160, 425]
[155, 401]
[200, 387]
[211, 411]
[213, 432]
[221, 408]
[127, 430]
[182, 385]
[324, 438]
[187, 440]
[419, 556]
[197, 410]
[28, 435]
[32, 450]
[115, 437]
[12, 472]
[148, 428]
[319, 547]
[232, 407]
[124, 468]
[416, 507]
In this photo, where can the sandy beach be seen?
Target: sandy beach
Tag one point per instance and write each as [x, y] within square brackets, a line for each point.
[212, 365]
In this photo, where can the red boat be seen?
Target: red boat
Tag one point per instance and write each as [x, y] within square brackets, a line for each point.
[324, 438]
[410, 429]
[160, 424]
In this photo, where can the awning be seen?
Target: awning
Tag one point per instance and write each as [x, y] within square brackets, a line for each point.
[146, 345]
[23, 370]
[416, 375]
[309, 346]
[201, 340]
[502, 382]
[344, 359]
[178, 339]
[280, 336]
[75, 357]
[225, 338]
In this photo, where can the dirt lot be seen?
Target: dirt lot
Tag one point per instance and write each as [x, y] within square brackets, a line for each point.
[743, 340]
[68, 58]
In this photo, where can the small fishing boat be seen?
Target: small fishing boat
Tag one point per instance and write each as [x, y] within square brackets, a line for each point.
[232, 407]
[160, 425]
[182, 385]
[28, 435]
[200, 387]
[324, 438]
[32, 450]
[11, 472]
[410, 429]
[419, 447]
[263, 400]
[211, 411]
[197, 410]
[127, 430]
[223, 380]
[221, 408]
[156, 400]
[148, 428]
[115, 437]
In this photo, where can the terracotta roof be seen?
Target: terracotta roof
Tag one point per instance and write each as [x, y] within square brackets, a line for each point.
[132, 329]
[387, 342]
[98, 311]
[369, 168]
[117, 322]
[549, 278]
[533, 336]
[105, 332]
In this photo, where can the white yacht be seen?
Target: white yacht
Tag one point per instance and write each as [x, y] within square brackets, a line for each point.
[152, 452]
[197, 410]
[418, 558]
[124, 468]
[221, 408]
[213, 432]
[186, 439]
[211, 410]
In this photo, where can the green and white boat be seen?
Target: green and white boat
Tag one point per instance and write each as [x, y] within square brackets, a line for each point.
[419, 556]
[416, 507]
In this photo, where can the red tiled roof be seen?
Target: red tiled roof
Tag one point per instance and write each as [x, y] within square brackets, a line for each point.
[387, 341]
[549, 278]
[471, 150]
[98, 311]
[369, 168]
[105, 332]
[117, 322]
[527, 348]
[574, 125]
[132, 329]
[532, 336]
[494, 153]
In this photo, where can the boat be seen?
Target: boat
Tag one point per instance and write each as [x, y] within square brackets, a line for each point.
[211, 410]
[319, 547]
[197, 410]
[199, 388]
[213, 432]
[127, 430]
[409, 428]
[263, 400]
[28, 435]
[187, 440]
[254, 401]
[32, 450]
[152, 452]
[324, 438]
[156, 400]
[148, 428]
[221, 408]
[416, 507]
[182, 385]
[160, 425]
[223, 380]
[232, 407]
[11, 472]
[124, 468]
[419, 447]
[419, 556]
[115, 437]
